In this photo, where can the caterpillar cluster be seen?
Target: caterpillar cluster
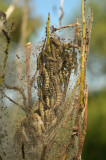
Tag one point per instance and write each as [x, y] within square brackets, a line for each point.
[54, 69]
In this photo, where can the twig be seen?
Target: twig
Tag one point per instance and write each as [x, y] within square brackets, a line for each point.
[14, 102]
[61, 11]
[5, 56]
[77, 39]
[20, 90]
[66, 26]
[47, 32]
[70, 45]
[31, 81]
[82, 55]
[6, 35]
[84, 116]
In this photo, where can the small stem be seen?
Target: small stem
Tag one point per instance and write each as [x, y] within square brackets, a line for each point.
[66, 26]
[82, 56]
[74, 89]
[61, 12]
[33, 77]
[47, 31]
[5, 56]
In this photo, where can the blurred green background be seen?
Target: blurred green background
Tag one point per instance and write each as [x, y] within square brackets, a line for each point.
[95, 142]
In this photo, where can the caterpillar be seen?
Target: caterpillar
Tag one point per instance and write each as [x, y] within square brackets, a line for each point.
[47, 101]
[41, 108]
[24, 135]
[46, 79]
[58, 98]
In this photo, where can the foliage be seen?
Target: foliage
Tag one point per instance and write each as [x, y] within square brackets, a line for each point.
[98, 39]
[17, 15]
